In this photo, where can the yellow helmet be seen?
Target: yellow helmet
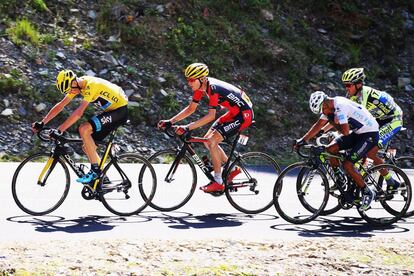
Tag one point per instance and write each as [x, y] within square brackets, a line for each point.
[353, 75]
[64, 80]
[196, 70]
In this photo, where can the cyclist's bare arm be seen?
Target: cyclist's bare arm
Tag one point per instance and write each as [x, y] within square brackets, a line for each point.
[74, 117]
[327, 127]
[314, 129]
[54, 111]
[205, 120]
[344, 129]
[184, 113]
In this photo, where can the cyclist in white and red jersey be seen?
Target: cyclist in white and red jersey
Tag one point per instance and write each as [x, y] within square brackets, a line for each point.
[346, 115]
[239, 116]
[106, 95]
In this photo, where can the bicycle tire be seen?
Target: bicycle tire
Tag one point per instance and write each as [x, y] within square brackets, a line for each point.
[39, 195]
[170, 197]
[250, 198]
[297, 213]
[390, 214]
[121, 196]
[331, 210]
[406, 163]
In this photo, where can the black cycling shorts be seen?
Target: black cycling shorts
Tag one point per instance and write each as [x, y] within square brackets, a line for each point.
[105, 122]
[228, 125]
[358, 144]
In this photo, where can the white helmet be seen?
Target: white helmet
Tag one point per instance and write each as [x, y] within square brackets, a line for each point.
[316, 100]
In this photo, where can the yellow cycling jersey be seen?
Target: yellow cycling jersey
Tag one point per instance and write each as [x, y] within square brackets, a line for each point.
[102, 93]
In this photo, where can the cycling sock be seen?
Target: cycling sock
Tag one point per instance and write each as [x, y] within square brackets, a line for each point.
[217, 178]
[95, 168]
[387, 176]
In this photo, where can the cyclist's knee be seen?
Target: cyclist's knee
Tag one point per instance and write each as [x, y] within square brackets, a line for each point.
[85, 129]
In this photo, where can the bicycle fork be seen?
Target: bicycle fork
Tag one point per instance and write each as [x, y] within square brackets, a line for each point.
[48, 168]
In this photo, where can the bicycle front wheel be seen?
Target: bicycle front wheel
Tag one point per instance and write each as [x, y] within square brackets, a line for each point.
[250, 191]
[40, 184]
[121, 182]
[289, 196]
[386, 208]
[406, 163]
[176, 180]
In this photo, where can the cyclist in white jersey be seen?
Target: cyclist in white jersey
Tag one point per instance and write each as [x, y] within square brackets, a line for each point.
[346, 115]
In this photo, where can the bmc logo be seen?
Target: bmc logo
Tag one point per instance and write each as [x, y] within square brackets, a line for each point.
[106, 119]
[232, 126]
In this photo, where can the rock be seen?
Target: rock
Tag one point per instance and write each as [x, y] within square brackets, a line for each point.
[161, 79]
[331, 74]
[103, 72]
[409, 88]
[40, 107]
[271, 111]
[342, 60]
[267, 15]
[92, 14]
[6, 102]
[160, 8]
[61, 55]
[164, 93]
[114, 38]
[22, 111]
[44, 72]
[402, 82]
[322, 31]
[7, 112]
[133, 104]
[129, 92]
[90, 73]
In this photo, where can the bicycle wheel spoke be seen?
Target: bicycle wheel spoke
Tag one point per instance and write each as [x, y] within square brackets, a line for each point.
[175, 184]
[406, 163]
[121, 183]
[251, 190]
[301, 193]
[387, 208]
[40, 198]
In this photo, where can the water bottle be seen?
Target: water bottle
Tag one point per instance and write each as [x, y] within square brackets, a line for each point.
[207, 163]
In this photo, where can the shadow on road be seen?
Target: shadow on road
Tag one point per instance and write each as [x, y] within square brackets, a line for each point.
[79, 225]
[182, 220]
[336, 226]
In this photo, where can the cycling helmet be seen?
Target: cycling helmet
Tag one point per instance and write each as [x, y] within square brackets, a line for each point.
[353, 75]
[64, 80]
[196, 70]
[316, 100]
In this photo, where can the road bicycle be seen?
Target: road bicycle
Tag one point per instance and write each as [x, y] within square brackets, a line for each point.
[249, 192]
[388, 154]
[41, 182]
[303, 190]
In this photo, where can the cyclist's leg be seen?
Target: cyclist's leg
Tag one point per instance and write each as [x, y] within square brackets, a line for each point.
[223, 155]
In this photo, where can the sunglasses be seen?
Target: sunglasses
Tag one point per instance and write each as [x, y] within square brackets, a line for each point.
[348, 85]
[191, 80]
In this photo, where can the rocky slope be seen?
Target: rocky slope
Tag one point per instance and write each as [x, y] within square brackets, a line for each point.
[278, 52]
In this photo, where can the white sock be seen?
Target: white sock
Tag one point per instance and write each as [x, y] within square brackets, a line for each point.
[217, 178]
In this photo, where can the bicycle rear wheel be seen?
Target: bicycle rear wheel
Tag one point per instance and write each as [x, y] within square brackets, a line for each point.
[332, 205]
[121, 182]
[176, 180]
[250, 191]
[386, 209]
[406, 163]
[288, 198]
[40, 184]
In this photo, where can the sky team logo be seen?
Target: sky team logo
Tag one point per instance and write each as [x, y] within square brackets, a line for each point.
[106, 119]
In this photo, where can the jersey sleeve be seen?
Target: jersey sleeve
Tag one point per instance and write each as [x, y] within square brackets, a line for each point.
[197, 95]
[341, 115]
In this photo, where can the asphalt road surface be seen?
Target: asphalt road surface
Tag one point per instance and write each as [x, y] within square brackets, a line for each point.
[204, 216]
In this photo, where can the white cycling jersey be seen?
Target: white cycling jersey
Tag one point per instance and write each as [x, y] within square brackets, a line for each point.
[358, 117]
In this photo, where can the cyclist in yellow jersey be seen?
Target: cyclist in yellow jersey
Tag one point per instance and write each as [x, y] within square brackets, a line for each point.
[384, 109]
[106, 95]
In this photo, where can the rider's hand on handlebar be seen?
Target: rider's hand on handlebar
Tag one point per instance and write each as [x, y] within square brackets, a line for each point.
[163, 124]
[55, 133]
[298, 143]
[181, 130]
[37, 126]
